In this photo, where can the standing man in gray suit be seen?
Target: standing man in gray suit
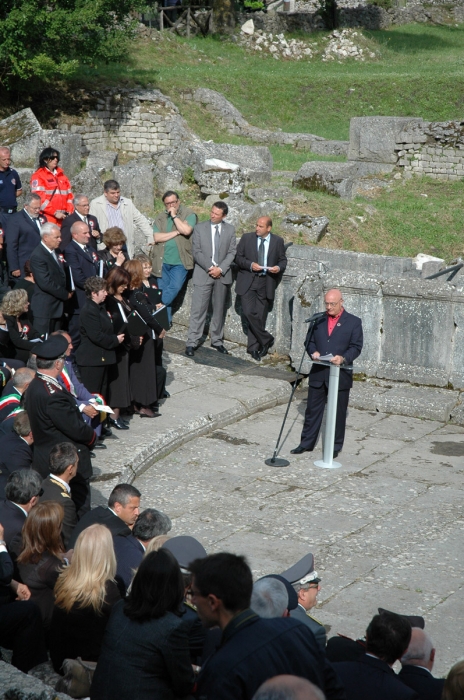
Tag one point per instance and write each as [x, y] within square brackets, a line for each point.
[213, 246]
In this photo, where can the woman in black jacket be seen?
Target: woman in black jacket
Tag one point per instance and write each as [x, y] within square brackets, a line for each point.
[96, 351]
[146, 390]
[15, 307]
[113, 255]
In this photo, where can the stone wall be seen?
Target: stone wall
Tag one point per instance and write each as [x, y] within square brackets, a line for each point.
[134, 122]
[435, 149]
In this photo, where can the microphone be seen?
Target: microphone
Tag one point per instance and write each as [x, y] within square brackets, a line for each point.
[314, 317]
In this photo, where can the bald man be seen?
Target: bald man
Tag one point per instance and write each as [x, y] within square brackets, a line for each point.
[340, 334]
[417, 664]
[288, 688]
[261, 259]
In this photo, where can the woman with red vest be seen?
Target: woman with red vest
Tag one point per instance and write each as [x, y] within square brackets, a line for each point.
[53, 187]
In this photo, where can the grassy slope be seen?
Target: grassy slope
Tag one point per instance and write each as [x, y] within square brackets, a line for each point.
[419, 73]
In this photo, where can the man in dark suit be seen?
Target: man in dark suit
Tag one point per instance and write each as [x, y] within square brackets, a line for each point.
[22, 235]
[417, 664]
[63, 468]
[83, 263]
[21, 626]
[47, 265]
[55, 418]
[81, 213]
[252, 649]
[260, 258]
[340, 334]
[213, 247]
[130, 549]
[15, 449]
[22, 492]
[120, 515]
[387, 638]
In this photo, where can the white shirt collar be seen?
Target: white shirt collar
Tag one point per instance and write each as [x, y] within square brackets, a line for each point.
[81, 245]
[57, 478]
[20, 508]
[52, 252]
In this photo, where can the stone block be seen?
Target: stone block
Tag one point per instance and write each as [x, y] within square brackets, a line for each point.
[254, 161]
[333, 178]
[88, 182]
[329, 147]
[259, 194]
[220, 176]
[102, 160]
[21, 133]
[136, 180]
[19, 686]
[373, 139]
[312, 228]
[69, 145]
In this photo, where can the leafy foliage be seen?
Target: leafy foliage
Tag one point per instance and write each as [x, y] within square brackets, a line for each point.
[47, 40]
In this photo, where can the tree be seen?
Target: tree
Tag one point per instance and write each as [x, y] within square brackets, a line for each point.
[43, 41]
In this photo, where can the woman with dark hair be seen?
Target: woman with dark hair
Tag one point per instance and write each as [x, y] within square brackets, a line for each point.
[119, 393]
[53, 187]
[21, 334]
[147, 385]
[145, 651]
[96, 351]
[42, 554]
[114, 255]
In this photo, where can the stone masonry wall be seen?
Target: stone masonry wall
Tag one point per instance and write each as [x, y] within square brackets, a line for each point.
[135, 122]
[435, 149]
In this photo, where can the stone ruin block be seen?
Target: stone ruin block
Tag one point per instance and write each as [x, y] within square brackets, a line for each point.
[255, 161]
[88, 182]
[21, 133]
[220, 176]
[373, 139]
[312, 228]
[103, 161]
[340, 179]
[136, 180]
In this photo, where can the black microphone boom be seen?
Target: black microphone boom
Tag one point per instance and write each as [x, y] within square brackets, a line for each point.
[314, 317]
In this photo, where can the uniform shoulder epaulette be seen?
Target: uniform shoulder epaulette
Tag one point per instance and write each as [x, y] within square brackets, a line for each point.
[190, 605]
[314, 619]
[66, 495]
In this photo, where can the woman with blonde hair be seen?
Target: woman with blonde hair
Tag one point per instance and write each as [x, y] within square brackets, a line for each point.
[454, 684]
[21, 334]
[85, 593]
[42, 554]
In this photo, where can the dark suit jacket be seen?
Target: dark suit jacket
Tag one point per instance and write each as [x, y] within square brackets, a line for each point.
[129, 553]
[15, 454]
[316, 627]
[6, 575]
[21, 238]
[371, 678]
[346, 339]
[21, 341]
[247, 253]
[50, 281]
[83, 265]
[55, 418]
[54, 491]
[66, 230]
[102, 516]
[12, 518]
[254, 649]
[422, 681]
[98, 339]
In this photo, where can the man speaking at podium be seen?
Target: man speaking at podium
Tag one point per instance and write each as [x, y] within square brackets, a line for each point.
[340, 334]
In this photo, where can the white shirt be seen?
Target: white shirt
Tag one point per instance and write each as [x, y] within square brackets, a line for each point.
[57, 478]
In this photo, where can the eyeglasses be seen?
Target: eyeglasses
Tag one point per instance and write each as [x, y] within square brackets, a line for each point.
[169, 204]
[54, 158]
[331, 303]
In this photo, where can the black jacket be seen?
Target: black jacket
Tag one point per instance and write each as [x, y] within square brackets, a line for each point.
[55, 418]
[129, 553]
[254, 649]
[102, 516]
[12, 519]
[98, 339]
[22, 236]
[15, 454]
[371, 678]
[21, 340]
[53, 490]
[422, 681]
[140, 302]
[346, 339]
[83, 265]
[247, 253]
[50, 281]
[66, 230]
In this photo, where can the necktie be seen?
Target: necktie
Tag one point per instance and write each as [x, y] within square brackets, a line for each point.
[216, 245]
[261, 253]
[86, 249]
[38, 223]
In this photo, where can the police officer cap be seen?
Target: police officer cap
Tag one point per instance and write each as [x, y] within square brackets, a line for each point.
[52, 348]
[292, 596]
[415, 620]
[185, 549]
[302, 572]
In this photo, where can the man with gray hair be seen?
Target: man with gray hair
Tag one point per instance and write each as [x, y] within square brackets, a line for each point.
[269, 598]
[81, 213]
[130, 549]
[417, 664]
[49, 271]
[21, 380]
[22, 235]
[63, 468]
[288, 688]
[10, 183]
[22, 492]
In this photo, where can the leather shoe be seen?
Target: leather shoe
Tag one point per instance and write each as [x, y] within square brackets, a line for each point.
[336, 453]
[266, 348]
[146, 412]
[106, 432]
[119, 424]
[255, 355]
[166, 394]
[221, 349]
[299, 450]
[99, 446]
[190, 351]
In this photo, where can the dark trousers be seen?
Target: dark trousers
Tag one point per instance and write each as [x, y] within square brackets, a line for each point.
[95, 379]
[21, 630]
[254, 307]
[80, 494]
[317, 398]
[43, 324]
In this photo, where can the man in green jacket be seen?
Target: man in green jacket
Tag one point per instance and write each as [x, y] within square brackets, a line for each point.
[171, 253]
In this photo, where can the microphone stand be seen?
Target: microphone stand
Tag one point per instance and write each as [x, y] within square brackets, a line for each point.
[275, 461]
